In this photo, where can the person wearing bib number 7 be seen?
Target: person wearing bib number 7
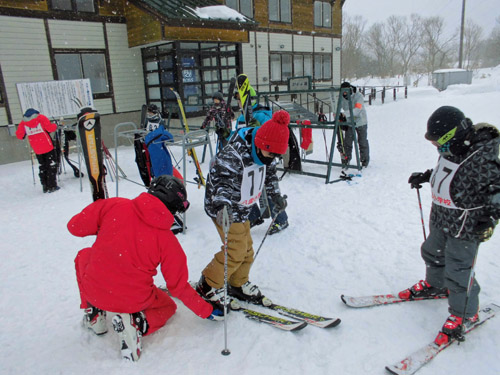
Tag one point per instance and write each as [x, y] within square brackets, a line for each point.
[465, 187]
[240, 172]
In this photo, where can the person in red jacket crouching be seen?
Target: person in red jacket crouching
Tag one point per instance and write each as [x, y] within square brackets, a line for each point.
[116, 273]
[37, 127]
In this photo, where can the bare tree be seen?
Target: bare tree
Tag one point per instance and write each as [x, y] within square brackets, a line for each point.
[406, 37]
[472, 40]
[437, 48]
[352, 39]
[492, 47]
[379, 44]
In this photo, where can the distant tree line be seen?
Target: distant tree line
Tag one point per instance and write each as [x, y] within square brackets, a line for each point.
[413, 46]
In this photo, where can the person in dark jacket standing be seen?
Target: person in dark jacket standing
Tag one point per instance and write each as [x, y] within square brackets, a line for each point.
[222, 116]
[116, 272]
[235, 182]
[465, 209]
[37, 127]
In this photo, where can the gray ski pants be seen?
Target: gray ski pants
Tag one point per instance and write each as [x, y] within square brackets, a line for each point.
[449, 262]
[364, 148]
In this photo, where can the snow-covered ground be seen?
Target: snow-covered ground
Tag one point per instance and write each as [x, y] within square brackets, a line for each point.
[356, 240]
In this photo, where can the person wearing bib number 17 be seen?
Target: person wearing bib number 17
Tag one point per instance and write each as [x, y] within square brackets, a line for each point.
[240, 172]
[465, 187]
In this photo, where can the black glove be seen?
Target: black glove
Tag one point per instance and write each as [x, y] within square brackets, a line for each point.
[418, 178]
[279, 203]
[219, 218]
[484, 227]
[342, 118]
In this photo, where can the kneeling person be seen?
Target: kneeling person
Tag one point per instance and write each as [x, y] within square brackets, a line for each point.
[116, 273]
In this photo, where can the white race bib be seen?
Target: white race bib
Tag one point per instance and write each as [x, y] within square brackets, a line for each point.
[440, 182]
[252, 184]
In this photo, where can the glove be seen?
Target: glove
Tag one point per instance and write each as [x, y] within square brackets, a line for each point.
[484, 227]
[342, 118]
[418, 178]
[219, 218]
[279, 203]
[217, 315]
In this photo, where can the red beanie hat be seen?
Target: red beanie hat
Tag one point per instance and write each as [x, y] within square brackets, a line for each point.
[273, 135]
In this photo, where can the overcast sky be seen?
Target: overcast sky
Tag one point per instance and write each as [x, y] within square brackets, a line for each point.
[483, 12]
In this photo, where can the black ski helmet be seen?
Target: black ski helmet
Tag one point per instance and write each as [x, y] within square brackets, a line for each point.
[345, 85]
[171, 191]
[448, 128]
[218, 95]
[153, 108]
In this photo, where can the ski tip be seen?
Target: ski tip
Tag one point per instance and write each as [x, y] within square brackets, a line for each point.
[298, 327]
[334, 323]
[343, 298]
[391, 371]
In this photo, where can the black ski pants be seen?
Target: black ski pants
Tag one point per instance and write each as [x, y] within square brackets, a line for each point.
[448, 264]
[364, 148]
[48, 170]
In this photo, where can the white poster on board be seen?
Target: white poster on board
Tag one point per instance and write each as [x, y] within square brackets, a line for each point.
[56, 98]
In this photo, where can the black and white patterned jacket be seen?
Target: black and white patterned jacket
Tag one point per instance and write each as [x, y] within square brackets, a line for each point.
[224, 181]
[474, 188]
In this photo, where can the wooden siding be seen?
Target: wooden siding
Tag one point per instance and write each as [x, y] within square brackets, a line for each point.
[25, 4]
[126, 67]
[142, 27]
[75, 34]
[111, 8]
[263, 57]
[3, 116]
[249, 63]
[24, 55]
[205, 34]
[325, 43]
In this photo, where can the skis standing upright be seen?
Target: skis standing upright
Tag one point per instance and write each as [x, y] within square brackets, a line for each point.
[191, 152]
[89, 128]
[243, 84]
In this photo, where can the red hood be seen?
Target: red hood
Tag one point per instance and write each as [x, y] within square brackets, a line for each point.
[152, 211]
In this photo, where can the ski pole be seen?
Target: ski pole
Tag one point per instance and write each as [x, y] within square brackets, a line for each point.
[421, 213]
[267, 232]
[225, 228]
[32, 167]
[469, 287]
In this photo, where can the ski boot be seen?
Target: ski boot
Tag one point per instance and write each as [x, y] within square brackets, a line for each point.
[278, 227]
[423, 289]
[130, 329]
[454, 328]
[214, 296]
[95, 320]
[249, 292]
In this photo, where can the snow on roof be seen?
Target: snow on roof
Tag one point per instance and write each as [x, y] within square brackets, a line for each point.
[449, 70]
[219, 12]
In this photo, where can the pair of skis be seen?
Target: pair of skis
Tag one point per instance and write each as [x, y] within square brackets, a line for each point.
[416, 360]
[300, 318]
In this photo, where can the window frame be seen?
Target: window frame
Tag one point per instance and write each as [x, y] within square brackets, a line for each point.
[83, 51]
[74, 7]
[279, 9]
[322, 15]
[238, 2]
[294, 59]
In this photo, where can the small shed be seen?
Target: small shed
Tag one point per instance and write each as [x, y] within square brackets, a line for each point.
[442, 78]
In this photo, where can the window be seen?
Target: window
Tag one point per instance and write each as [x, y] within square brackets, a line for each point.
[302, 64]
[280, 11]
[73, 5]
[322, 14]
[79, 65]
[195, 70]
[322, 67]
[281, 67]
[245, 7]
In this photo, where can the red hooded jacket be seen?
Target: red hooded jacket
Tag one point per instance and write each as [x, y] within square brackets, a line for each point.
[133, 239]
[37, 128]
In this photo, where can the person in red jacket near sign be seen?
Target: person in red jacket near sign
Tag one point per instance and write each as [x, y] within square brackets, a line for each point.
[116, 273]
[37, 127]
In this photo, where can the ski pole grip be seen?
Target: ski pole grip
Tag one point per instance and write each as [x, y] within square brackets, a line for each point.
[225, 220]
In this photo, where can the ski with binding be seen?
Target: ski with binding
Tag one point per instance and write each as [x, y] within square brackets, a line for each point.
[381, 299]
[424, 355]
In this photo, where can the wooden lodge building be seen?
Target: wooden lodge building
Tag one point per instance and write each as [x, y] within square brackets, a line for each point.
[133, 51]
